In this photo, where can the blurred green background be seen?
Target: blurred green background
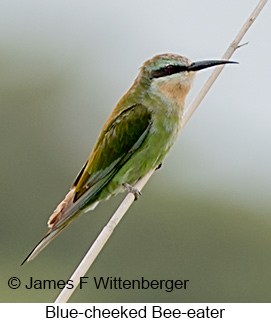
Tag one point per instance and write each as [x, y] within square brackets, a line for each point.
[205, 216]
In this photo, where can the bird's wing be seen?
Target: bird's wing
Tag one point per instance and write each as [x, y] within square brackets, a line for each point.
[119, 139]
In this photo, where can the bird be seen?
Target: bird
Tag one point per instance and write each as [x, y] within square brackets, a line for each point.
[134, 140]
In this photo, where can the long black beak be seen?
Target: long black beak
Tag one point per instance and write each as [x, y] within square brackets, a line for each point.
[196, 66]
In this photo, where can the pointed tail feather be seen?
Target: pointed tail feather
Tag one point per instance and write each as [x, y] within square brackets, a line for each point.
[64, 213]
[42, 244]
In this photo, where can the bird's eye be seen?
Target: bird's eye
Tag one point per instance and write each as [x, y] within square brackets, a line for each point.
[170, 69]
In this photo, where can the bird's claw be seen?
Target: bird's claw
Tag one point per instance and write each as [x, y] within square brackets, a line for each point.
[159, 166]
[132, 190]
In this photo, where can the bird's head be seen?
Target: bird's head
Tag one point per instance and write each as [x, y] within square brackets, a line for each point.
[171, 76]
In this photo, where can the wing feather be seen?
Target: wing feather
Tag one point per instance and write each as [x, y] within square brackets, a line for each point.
[114, 147]
[116, 144]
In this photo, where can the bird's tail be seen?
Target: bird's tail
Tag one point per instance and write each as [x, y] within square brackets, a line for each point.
[43, 243]
[64, 213]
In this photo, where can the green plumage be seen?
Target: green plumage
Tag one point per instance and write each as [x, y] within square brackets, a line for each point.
[134, 140]
[116, 145]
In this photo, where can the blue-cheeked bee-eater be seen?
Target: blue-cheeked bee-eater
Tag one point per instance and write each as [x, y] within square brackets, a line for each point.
[135, 139]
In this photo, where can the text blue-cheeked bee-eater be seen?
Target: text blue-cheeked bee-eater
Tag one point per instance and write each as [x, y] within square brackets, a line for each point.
[135, 139]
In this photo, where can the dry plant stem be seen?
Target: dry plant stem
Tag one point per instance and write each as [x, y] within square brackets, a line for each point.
[101, 240]
[126, 203]
[233, 46]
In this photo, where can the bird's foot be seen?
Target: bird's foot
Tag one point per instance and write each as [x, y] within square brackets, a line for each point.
[159, 166]
[132, 190]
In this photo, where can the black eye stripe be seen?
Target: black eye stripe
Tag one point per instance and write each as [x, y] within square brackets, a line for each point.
[168, 70]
